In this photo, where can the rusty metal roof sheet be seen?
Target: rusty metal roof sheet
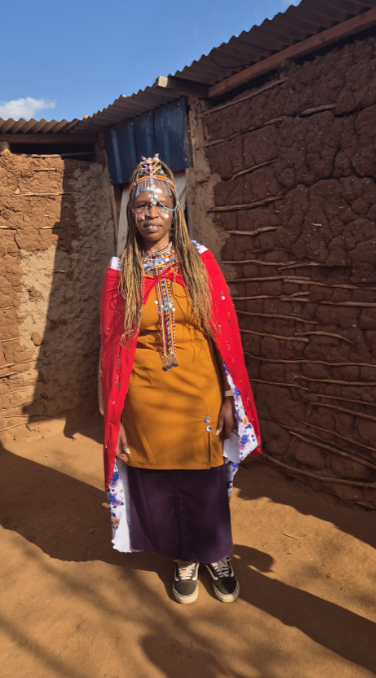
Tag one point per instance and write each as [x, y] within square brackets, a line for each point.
[297, 23]
[36, 126]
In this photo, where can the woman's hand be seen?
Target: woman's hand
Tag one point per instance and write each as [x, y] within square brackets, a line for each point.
[226, 419]
[122, 449]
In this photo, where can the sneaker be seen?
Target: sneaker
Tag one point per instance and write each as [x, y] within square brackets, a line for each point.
[185, 586]
[225, 584]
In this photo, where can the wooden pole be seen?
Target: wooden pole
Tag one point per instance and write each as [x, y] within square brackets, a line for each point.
[5, 146]
[250, 95]
[249, 206]
[305, 361]
[275, 336]
[324, 479]
[294, 318]
[314, 440]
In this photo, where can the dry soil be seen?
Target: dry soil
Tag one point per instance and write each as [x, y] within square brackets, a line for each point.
[74, 608]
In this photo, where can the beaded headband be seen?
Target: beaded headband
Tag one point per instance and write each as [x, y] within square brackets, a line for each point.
[151, 166]
[154, 181]
[151, 169]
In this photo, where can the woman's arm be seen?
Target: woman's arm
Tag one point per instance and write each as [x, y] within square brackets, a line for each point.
[122, 449]
[226, 418]
[225, 384]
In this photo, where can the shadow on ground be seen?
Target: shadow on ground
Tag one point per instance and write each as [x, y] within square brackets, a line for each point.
[67, 519]
[283, 489]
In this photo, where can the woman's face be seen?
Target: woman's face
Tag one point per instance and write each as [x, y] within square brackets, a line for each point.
[153, 222]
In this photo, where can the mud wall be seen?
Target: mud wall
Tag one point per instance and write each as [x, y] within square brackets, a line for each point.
[54, 246]
[290, 167]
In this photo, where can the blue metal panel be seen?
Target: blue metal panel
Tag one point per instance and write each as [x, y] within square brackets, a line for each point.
[171, 138]
[162, 131]
[144, 135]
[128, 160]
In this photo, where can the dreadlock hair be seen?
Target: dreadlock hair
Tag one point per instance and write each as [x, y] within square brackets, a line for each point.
[192, 269]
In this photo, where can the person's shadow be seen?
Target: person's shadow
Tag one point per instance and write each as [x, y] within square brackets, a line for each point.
[69, 520]
[65, 517]
[333, 627]
[339, 630]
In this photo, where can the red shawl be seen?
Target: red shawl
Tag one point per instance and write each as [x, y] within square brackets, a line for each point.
[117, 358]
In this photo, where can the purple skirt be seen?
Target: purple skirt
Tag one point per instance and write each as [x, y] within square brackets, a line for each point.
[181, 514]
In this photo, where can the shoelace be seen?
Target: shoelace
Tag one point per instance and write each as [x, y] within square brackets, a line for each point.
[186, 571]
[222, 568]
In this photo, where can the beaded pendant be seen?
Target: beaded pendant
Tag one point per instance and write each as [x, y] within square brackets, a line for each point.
[156, 264]
[166, 312]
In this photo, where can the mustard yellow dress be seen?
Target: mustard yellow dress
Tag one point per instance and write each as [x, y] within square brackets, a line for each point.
[170, 417]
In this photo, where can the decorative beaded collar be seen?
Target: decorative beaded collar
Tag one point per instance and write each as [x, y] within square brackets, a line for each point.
[157, 262]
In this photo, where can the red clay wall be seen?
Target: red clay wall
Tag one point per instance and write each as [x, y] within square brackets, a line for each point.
[54, 247]
[309, 289]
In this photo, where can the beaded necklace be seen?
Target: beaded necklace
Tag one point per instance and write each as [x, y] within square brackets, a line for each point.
[156, 263]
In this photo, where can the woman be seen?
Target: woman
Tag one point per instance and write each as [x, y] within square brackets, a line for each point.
[178, 407]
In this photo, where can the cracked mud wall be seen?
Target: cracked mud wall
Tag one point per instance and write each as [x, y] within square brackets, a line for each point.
[201, 184]
[54, 250]
[292, 163]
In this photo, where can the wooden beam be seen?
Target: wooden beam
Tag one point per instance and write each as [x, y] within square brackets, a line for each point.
[4, 146]
[180, 86]
[65, 155]
[49, 138]
[316, 42]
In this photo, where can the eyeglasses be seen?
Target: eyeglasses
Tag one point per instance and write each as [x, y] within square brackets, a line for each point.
[152, 202]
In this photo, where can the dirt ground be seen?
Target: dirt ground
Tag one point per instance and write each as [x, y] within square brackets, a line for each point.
[74, 608]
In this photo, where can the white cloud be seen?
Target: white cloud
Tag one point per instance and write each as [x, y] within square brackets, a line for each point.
[23, 108]
[291, 2]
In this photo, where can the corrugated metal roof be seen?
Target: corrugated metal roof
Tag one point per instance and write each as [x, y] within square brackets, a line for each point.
[36, 126]
[309, 18]
[297, 23]
[127, 107]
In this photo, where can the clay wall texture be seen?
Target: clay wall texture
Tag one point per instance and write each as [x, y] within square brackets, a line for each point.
[307, 297]
[54, 247]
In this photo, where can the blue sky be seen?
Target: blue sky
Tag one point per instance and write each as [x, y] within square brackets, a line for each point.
[66, 60]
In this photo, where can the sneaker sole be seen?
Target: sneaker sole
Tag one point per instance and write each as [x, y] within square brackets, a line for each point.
[185, 600]
[228, 597]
